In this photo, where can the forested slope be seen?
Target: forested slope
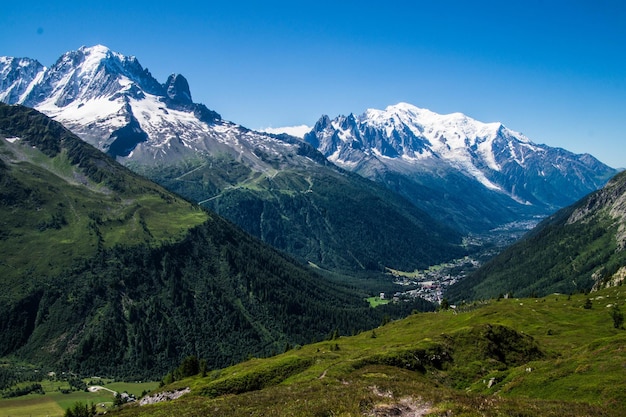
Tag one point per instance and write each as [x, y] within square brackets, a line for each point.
[577, 248]
[107, 273]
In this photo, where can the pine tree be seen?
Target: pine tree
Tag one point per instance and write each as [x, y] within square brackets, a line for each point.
[617, 316]
[81, 410]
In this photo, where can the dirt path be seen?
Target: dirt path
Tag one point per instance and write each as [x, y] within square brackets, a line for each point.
[96, 388]
[406, 407]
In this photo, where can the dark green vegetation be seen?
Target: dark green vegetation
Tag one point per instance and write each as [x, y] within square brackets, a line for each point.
[62, 200]
[81, 410]
[516, 357]
[320, 213]
[575, 249]
[109, 274]
[106, 273]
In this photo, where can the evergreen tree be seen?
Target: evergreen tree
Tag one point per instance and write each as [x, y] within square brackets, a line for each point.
[617, 316]
[81, 410]
[190, 366]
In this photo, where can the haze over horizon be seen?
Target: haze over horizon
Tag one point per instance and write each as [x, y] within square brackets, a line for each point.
[551, 70]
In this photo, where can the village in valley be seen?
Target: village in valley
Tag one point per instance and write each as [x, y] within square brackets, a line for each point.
[430, 284]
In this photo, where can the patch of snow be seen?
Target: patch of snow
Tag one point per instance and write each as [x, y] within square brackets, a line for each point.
[35, 82]
[485, 149]
[106, 112]
[416, 156]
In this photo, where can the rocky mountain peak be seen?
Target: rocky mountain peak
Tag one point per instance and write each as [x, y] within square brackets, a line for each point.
[17, 76]
[130, 106]
[405, 141]
[177, 89]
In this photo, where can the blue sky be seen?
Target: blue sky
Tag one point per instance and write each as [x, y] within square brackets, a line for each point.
[554, 70]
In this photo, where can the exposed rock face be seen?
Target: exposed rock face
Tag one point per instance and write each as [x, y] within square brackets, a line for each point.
[163, 396]
[17, 77]
[178, 89]
[611, 201]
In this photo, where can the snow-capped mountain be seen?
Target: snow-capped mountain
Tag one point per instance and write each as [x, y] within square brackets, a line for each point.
[17, 78]
[275, 186]
[454, 153]
[473, 176]
[112, 102]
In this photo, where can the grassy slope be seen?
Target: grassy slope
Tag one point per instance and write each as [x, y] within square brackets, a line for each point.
[335, 219]
[576, 358]
[61, 200]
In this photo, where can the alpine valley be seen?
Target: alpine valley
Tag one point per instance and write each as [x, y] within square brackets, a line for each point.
[106, 273]
[576, 249]
[436, 178]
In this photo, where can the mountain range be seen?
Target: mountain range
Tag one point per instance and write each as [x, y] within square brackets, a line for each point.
[105, 272]
[435, 177]
[451, 165]
[276, 187]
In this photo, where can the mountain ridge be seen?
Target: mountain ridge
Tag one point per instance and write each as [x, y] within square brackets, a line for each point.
[422, 148]
[266, 183]
[107, 273]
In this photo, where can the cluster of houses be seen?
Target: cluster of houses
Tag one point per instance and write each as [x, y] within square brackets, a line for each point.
[431, 284]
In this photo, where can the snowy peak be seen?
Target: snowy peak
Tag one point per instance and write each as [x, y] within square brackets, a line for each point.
[407, 139]
[17, 77]
[409, 132]
[296, 131]
[112, 102]
[91, 73]
[401, 113]
[454, 130]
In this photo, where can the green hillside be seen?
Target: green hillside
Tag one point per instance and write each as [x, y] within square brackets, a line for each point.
[577, 248]
[62, 200]
[552, 356]
[106, 273]
[318, 213]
